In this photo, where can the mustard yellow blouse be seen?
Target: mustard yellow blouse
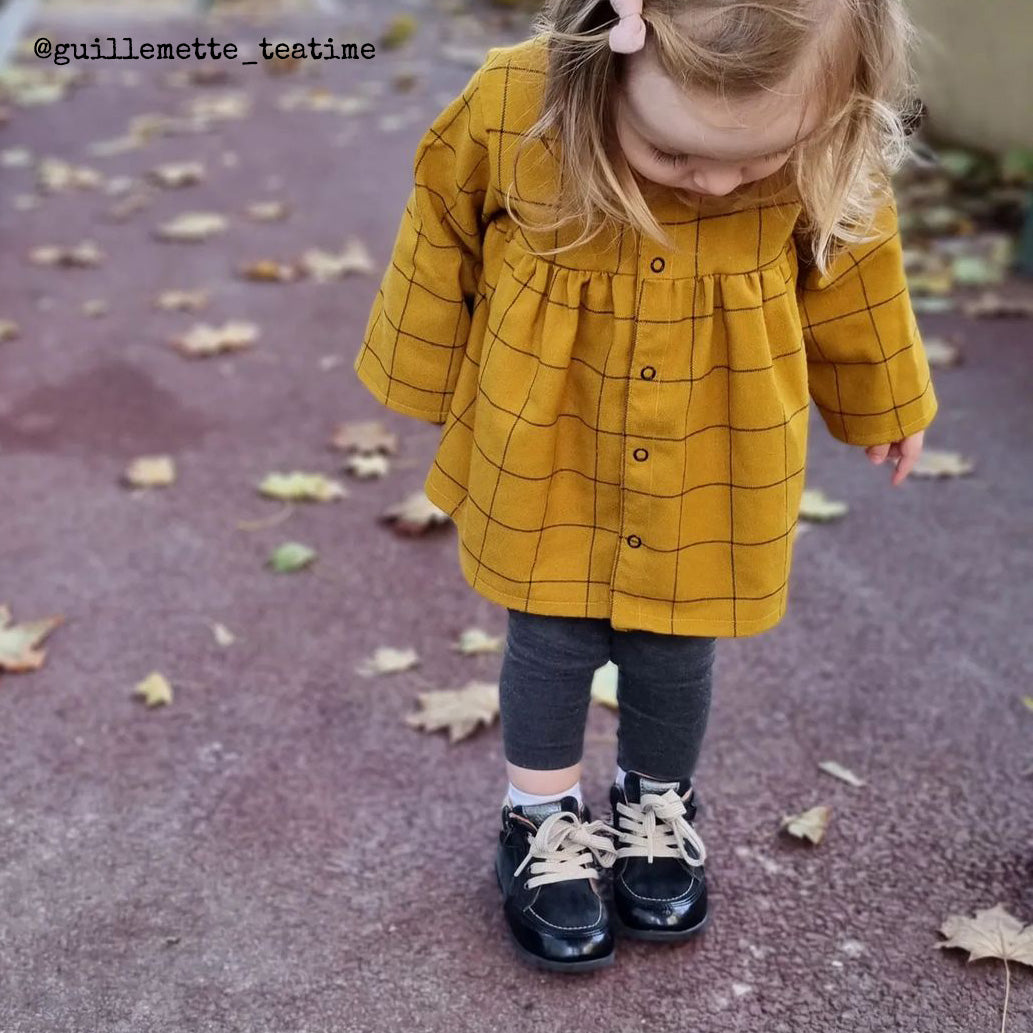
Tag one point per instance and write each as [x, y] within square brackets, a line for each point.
[624, 426]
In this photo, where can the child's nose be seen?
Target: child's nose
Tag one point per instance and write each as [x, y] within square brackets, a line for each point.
[718, 182]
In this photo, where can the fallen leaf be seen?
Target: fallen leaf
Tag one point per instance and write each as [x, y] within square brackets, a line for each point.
[55, 176]
[398, 31]
[932, 463]
[604, 685]
[182, 301]
[150, 472]
[155, 689]
[992, 933]
[941, 352]
[364, 436]
[85, 253]
[290, 556]
[991, 305]
[414, 514]
[830, 767]
[18, 652]
[9, 330]
[809, 824]
[367, 466]
[203, 339]
[192, 226]
[386, 660]
[177, 174]
[458, 710]
[223, 635]
[474, 640]
[300, 486]
[815, 505]
[324, 265]
[267, 270]
[95, 307]
[267, 211]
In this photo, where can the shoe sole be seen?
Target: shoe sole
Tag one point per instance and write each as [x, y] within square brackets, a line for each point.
[635, 933]
[589, 965]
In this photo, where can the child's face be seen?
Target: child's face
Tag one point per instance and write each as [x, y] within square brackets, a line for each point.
[700, 143]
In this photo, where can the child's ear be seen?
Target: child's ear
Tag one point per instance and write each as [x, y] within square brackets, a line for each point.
[914, 115]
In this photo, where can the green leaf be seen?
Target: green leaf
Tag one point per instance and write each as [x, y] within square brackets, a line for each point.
[290, 556]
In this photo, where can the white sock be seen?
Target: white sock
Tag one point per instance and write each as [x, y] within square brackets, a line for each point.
[517, 796]
[619, 777]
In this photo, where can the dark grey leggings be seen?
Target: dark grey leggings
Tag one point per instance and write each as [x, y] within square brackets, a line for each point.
[663, 693]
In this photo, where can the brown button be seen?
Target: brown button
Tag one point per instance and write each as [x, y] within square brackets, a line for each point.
[657, 265]
[647, 372]
[640, 454]
[634, 541]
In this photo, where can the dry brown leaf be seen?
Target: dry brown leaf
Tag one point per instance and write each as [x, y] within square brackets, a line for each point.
[387, 660]
[414, 515]
[130, 205]
[203, 339]
[932, 463]
[268, 270]
[9, 330]
[18, 642]
[458, 710]
[94, 307]
[809, 824]
[364, 436]
[150, 472]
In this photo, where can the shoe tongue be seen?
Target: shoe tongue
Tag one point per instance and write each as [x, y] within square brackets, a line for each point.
[538, 812]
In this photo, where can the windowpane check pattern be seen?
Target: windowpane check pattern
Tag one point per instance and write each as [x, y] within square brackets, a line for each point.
[624, 425]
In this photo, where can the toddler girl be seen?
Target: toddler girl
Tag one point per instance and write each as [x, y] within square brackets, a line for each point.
[637, 245]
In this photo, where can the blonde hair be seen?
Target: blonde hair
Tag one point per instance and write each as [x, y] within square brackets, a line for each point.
[860, 74]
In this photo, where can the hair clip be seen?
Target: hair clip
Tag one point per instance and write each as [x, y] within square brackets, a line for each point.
[629, 34]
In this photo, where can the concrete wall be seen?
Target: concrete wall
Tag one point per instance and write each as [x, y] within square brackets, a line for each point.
[975, 67]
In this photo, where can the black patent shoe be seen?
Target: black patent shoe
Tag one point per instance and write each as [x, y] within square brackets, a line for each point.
[659, 890]
[545, 866]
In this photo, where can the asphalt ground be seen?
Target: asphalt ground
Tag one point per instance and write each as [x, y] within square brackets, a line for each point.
[277, 850]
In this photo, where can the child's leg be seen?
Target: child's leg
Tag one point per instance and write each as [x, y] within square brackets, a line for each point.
[663, 699]
[544, 693]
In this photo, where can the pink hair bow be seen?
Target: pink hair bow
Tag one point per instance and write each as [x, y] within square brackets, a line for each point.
[629, 34]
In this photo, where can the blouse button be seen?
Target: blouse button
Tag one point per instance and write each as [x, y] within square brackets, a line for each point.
[657, 265]
[640, 454]
[634, 541]
[647, 372]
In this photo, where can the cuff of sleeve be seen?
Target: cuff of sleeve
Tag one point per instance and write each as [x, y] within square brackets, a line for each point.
[366, 373]
[883, 428]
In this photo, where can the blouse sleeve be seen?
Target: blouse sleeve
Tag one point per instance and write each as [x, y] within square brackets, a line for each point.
[867, 369]
[420, 318]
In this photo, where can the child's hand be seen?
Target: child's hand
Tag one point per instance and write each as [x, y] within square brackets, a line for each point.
[906, 452]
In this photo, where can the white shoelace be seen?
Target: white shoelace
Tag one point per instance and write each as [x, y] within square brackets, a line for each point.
[564, 847]
[655, 828]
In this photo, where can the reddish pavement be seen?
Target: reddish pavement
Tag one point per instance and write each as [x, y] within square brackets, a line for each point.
[277, 851]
